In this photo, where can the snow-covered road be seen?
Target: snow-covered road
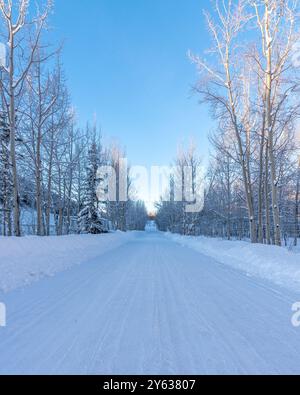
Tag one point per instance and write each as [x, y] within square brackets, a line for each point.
[150, 306]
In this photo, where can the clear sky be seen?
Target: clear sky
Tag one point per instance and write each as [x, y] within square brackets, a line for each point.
[126, 63]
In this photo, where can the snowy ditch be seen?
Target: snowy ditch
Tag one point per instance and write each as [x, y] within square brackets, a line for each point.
[275, 264]
[28, 259]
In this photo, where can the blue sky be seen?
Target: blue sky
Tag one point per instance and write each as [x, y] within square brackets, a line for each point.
[126, 64]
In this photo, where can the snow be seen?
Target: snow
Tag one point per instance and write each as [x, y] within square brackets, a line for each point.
[273, 263]
[28, 220]
[151, 226]
[146, 305]
[26, 260]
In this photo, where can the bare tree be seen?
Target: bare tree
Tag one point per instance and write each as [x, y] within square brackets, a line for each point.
[42, 93]
[276, 21]
[20, 60]
[221, 86]
[253, 98]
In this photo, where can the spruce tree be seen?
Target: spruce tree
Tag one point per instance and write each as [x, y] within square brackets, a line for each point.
[89, 218]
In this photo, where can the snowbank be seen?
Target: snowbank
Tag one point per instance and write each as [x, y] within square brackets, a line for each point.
[25, 260]
[269, 262]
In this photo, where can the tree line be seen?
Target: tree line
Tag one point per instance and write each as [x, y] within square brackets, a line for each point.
[250, 79]
[47, 162]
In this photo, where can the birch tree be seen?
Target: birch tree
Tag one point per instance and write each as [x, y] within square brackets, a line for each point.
[252, 87]
[276, 21]
[221, 85]
[17, 27]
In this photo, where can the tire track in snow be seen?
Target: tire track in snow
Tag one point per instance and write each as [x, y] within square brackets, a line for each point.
[151, 306]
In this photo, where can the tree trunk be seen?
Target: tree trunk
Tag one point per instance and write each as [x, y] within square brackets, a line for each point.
[261, 179]
[243, 163]
[267, 204]
[228, 201]
[49, 187]
[12, 122]
[274, 181]
[297, 207]
[39, 159]
[39, 187]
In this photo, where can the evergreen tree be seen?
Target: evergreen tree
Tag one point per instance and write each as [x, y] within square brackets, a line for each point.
[89, 218]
